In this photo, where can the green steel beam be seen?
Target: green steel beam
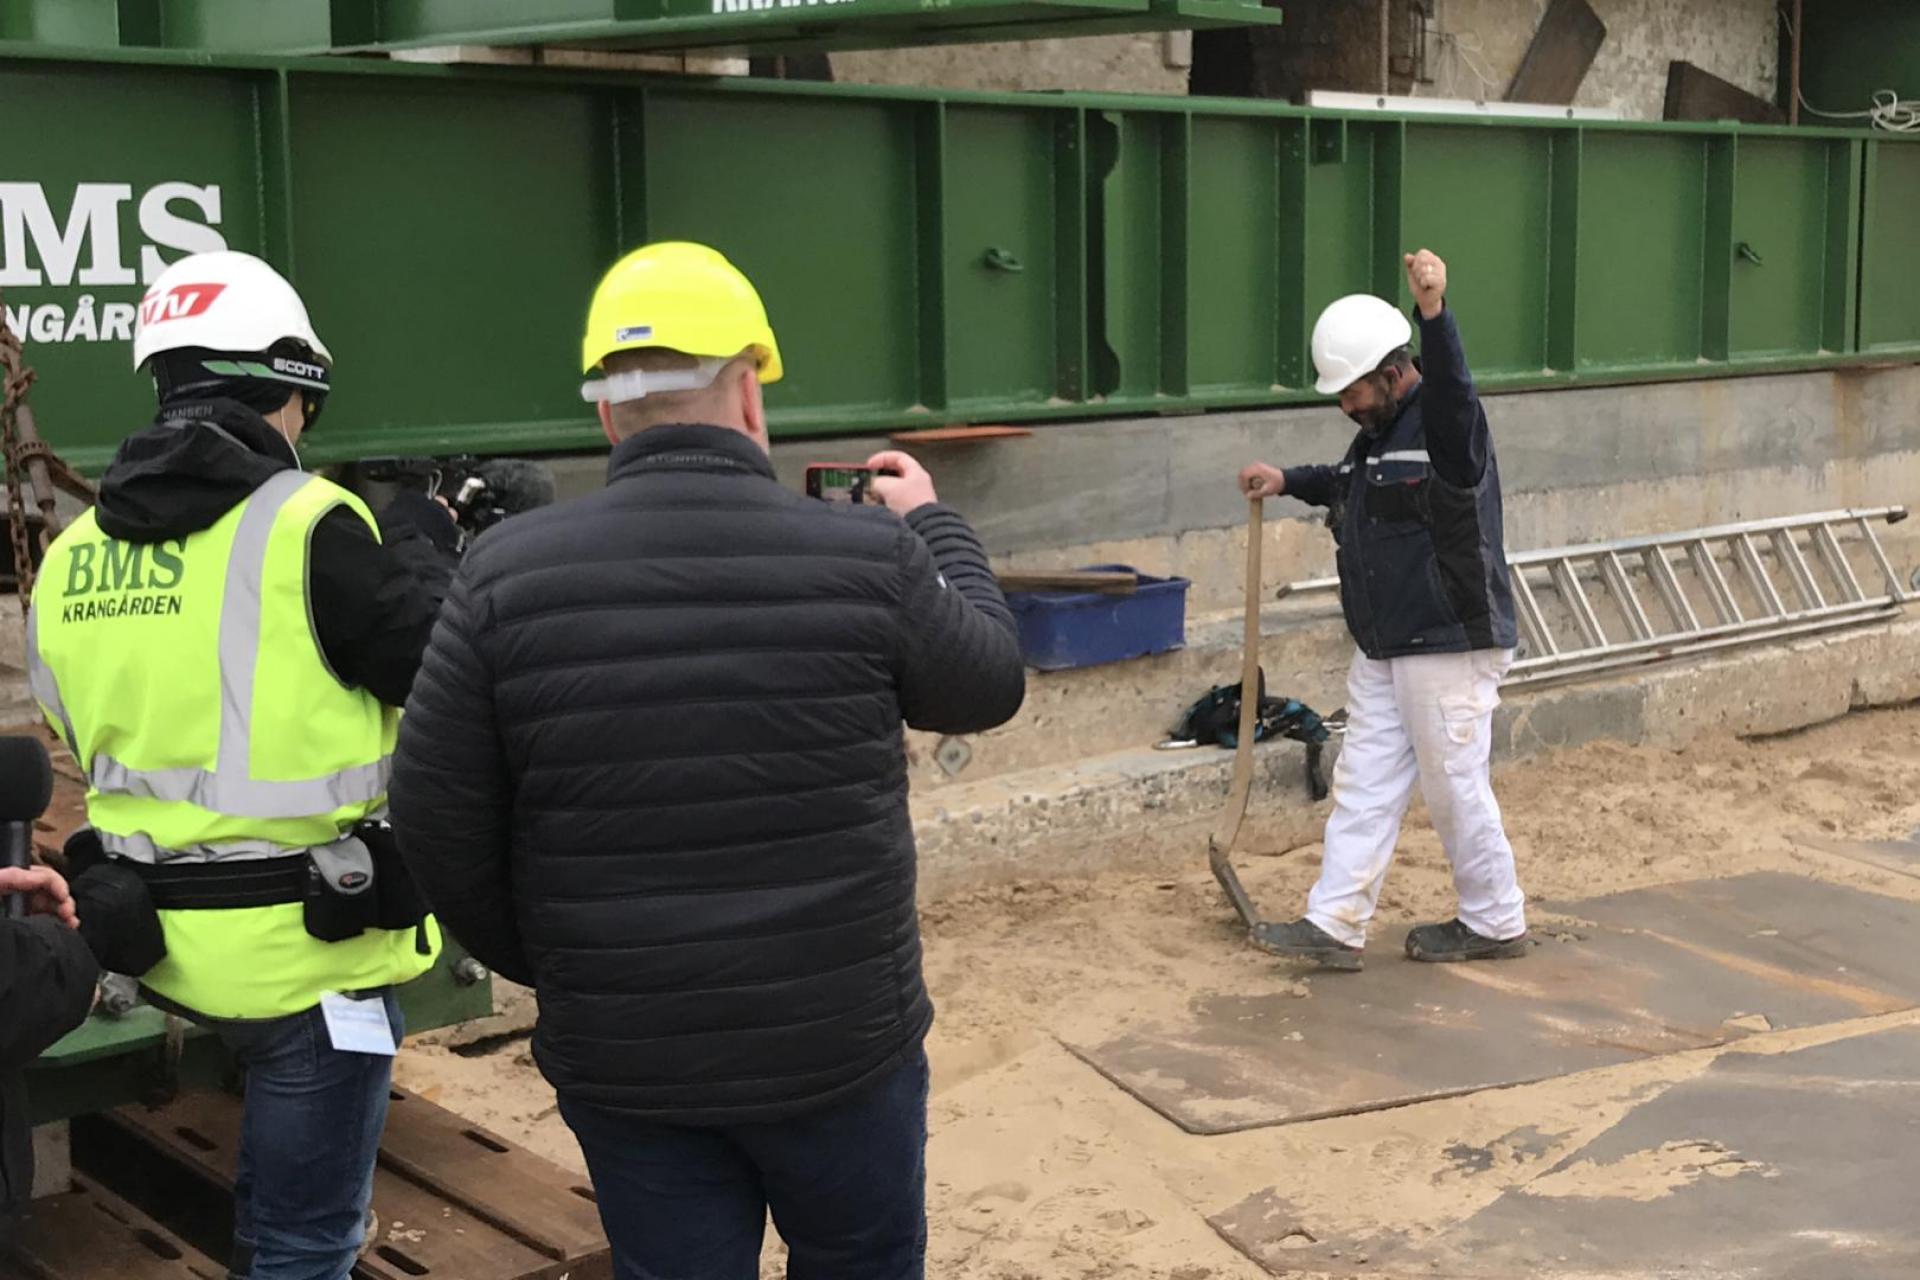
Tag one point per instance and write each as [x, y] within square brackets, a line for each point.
[1718, 249]
[1890, 248]
[1176, 248]
[1292, 326]
[931, 259]
[1840, 313]
[927, 257]
[1562, 319]
[767, 26]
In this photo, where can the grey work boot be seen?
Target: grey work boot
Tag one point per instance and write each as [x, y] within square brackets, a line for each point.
[1452, 941]
[1305, 940]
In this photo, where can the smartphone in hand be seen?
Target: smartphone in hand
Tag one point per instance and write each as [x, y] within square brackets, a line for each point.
[841, 482]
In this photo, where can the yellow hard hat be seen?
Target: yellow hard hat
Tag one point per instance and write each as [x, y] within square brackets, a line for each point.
[685, 297]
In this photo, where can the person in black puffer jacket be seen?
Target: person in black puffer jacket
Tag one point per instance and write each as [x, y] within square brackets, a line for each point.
[654, 767]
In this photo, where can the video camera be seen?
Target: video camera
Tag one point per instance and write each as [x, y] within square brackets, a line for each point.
[481, 492]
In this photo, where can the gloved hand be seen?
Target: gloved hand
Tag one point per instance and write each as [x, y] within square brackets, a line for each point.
[117, 919]
[412, 513]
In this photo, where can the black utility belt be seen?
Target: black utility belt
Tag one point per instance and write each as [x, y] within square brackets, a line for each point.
[226, 886]
[357, 883]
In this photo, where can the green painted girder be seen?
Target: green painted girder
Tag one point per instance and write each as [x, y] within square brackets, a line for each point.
[764, 26]
[927, 258]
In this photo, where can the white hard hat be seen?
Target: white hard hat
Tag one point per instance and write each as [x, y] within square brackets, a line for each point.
[1352, 336]
[222, 301]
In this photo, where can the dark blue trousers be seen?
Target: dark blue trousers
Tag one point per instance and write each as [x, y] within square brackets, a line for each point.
[846, 1187]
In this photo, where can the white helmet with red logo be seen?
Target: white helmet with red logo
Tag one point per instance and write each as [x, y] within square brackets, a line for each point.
[231, 302]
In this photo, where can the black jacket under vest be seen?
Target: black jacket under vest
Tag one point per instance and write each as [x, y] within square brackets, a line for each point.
[1415, 509]
[373, 602]
[654, 767]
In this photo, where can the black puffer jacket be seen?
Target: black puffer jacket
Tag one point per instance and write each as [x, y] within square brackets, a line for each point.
[47, 976]
[653, 765]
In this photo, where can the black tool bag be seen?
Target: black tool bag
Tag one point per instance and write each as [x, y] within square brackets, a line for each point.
[1214, 720]
[341, 899]
[361, 882]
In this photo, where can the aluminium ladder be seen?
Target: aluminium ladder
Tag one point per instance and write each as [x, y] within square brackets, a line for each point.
[1580, 612]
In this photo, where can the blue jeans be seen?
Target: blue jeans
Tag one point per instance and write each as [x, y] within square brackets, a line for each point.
[846, 1186]
[309, 1139]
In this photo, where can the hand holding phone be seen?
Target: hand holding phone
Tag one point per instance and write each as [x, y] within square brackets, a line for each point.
[902, 483]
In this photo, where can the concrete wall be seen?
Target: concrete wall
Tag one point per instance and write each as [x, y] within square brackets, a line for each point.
[1480, 47]
[1149, 63]
[1734, 39]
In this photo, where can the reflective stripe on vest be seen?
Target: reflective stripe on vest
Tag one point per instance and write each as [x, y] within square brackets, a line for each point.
[242, 797]
[139, 848]
[40, 681]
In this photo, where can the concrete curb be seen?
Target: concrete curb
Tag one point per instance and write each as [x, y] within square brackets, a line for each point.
[1129, 809]
[1123, 706]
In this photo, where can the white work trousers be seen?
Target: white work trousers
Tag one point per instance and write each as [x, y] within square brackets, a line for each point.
[1427, 718]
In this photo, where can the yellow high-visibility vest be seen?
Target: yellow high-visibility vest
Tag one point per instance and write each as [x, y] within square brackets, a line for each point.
[186, 678]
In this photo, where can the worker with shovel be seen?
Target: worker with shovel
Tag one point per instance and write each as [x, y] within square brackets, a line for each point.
[1415, 510]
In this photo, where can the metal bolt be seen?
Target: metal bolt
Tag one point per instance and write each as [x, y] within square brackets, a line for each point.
[952, 755]
[118, 995]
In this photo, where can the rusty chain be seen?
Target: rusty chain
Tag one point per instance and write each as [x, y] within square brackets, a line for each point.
[33, 470]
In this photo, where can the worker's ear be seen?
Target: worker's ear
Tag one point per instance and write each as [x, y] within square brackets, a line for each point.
[753, 407]
[606, 422]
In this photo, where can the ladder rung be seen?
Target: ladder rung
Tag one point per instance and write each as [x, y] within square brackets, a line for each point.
[1835, 558]
[1747, 555]
[1704, 564]
[1894, 588]
[1616, 575]
[1660, 570]
[1530, 616]
[1787, 551]
[1567, 580]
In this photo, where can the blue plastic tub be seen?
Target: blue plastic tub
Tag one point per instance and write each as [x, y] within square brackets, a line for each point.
[1063, 630]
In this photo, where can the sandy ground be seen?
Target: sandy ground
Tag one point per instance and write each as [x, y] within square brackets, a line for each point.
[1041, 1170]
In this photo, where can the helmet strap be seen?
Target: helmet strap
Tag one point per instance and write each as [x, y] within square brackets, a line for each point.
[637, 384]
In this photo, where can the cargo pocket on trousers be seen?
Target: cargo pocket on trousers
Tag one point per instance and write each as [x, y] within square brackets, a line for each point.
[1464, 720]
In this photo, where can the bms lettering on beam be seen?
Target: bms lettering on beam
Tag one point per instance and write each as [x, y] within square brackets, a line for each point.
[74, 268]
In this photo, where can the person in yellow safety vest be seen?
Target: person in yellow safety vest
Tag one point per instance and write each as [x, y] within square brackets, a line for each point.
[222, 643]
